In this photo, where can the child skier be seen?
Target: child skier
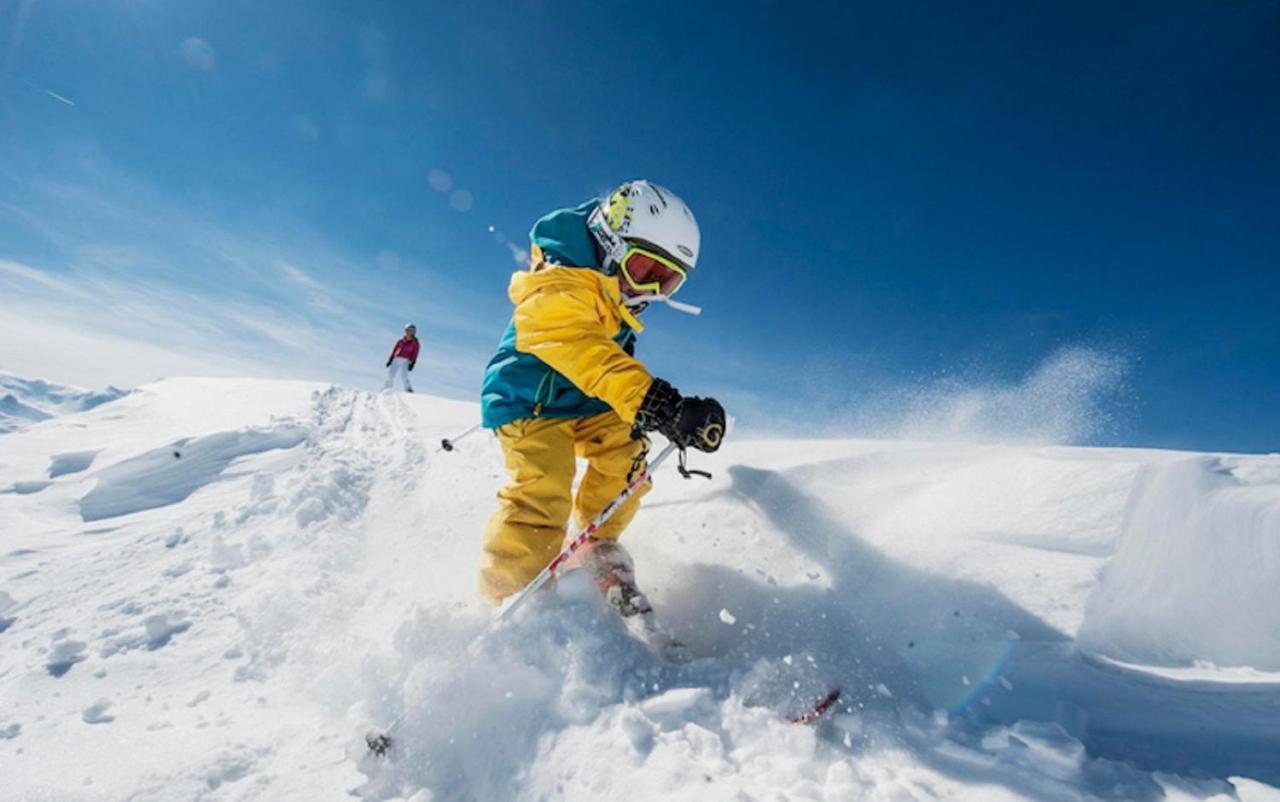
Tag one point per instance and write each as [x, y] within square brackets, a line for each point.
[564, 383]
[403, 357]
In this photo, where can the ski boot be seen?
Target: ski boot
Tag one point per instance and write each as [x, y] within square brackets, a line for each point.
[612, 569]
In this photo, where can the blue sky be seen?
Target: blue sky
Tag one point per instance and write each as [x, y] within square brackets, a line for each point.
[922, 217]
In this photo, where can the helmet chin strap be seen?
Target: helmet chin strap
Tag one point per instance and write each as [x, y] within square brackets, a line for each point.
[641, 300]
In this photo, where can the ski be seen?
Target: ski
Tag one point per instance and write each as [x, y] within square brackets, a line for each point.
[816, 712]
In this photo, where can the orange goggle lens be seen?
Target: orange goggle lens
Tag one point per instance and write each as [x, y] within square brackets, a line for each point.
[648, 273]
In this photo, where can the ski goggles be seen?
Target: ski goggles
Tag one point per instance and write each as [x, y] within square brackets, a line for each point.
[646, 272]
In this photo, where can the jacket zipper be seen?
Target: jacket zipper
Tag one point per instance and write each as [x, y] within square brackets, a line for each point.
[537, 395]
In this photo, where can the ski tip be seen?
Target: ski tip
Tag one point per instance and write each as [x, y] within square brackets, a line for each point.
[816, 712]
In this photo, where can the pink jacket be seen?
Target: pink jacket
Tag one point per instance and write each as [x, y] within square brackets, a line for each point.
[407, 349]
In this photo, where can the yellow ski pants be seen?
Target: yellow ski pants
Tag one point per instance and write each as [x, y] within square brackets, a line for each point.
[527, 530]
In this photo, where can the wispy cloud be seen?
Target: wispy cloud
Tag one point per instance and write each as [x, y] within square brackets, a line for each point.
[144, 273]
[25, 275]
[319, 295]
[199, 53]
[59, 98]
[299, 276]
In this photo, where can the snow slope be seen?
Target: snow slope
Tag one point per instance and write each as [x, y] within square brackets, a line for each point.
[27, 401]
[210, 589]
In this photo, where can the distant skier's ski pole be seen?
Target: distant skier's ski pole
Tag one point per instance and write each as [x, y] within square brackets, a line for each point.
[448, 443]
[580, 539]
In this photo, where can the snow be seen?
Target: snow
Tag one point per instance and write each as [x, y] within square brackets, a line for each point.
[1221, 536]
[169, 474]
[27, 401]
[1004, 622]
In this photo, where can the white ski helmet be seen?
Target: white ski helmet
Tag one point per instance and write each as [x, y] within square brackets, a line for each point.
[648, 215]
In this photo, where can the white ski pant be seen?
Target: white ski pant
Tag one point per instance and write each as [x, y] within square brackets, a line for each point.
[399, 367]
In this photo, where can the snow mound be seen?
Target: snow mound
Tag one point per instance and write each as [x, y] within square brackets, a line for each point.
[214, 588]
[1197, 574]
[168, 475]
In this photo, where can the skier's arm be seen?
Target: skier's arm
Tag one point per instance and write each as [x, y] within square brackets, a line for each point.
[563, 328]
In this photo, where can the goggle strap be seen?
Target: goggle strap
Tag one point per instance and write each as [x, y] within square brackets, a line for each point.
[615, 247]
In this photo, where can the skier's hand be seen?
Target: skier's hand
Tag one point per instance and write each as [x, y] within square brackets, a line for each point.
[388, 363]
[411, 364]
[689, 422]
[701, 423]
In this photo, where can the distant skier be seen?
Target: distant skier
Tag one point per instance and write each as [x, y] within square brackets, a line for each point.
[564, 383]
[403, 357]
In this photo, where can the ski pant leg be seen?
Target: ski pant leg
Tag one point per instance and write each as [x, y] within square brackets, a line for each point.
[526, 531]
[613, 459]
[399, 370]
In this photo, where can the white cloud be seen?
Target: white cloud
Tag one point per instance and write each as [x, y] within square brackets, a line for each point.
[198, 53]
[30, 275]
[146, 272]
[299, 276]
[39, 341]
[59, 98]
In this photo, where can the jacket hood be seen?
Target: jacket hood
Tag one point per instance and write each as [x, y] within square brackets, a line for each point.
[563, 238]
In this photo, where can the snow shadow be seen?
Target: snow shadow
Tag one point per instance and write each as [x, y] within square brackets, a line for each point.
[70, 462]
[1192, 728]
[170, 474]
[889, 633]
[936, 641]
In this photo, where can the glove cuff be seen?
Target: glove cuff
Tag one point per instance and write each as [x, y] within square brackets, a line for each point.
[659, 408]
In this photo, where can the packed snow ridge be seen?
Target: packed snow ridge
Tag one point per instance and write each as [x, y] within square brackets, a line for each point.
[211, 589]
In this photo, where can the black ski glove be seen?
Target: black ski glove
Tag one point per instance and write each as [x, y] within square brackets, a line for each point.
[411, 364]
[388, 363]
[689, 422]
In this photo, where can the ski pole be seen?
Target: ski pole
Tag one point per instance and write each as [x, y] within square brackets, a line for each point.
[448, 443]
[380, 742]
[588, 533]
